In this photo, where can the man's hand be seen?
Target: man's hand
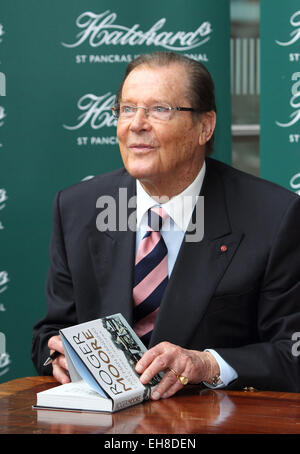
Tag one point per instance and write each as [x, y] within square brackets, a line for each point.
[59, 365]
[195, 365]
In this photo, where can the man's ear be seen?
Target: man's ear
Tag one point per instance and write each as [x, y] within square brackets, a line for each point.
[207, 126]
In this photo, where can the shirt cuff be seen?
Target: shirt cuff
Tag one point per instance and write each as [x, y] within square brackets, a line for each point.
[227, 373]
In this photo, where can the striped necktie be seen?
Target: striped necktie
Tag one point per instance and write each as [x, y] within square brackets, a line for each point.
[151, 275]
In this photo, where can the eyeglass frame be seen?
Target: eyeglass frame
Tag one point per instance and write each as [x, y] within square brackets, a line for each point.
[116, 108]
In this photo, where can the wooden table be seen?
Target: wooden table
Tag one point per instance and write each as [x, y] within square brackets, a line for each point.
[192, 411]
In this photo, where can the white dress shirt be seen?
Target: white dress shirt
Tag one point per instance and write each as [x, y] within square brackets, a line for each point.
[179, 209]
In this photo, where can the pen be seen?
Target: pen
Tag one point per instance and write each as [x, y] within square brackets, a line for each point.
[51, 358]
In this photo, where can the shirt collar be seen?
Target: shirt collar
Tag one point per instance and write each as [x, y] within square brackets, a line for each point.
[179, 208]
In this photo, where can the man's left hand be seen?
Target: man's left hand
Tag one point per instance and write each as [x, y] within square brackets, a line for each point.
[196, 366]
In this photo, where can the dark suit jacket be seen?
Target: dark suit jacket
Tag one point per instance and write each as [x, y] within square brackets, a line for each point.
[244, 302]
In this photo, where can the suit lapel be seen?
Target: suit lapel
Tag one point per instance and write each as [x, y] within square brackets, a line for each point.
[198, 269]
[196, 274]
[113, 253]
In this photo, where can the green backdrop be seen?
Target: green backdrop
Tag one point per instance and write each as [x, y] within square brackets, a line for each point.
[63, 61]
[280, 92]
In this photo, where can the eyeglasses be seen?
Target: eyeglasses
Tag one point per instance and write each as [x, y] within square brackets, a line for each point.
[161, 111]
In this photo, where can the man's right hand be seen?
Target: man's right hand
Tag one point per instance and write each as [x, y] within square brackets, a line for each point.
[59, 365]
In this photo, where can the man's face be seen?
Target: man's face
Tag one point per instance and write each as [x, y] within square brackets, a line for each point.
[160, 154]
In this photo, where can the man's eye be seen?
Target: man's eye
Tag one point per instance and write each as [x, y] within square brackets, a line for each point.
[127, 109]
[160, 109]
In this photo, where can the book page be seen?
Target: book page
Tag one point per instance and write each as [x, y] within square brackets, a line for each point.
[80, 369]
[76, 396]
[78, 389]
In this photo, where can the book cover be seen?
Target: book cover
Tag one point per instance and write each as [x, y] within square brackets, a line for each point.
[101, 356]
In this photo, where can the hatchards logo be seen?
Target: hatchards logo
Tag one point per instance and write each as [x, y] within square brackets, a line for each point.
[4, 356]
[97, 114]
[3, 198]
[3, 287]
[2, 32]
[96, 111]
[2, 75]
[2, 84]
[102, 30]
[2, 115]
[295, 183]
[3, 281]
[294, 102]
[295, 33]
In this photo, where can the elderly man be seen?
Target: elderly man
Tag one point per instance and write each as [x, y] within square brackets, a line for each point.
[218, 309]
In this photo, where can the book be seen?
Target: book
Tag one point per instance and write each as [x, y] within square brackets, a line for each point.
[101, 355]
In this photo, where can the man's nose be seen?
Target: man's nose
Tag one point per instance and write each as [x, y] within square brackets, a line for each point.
[140, 121]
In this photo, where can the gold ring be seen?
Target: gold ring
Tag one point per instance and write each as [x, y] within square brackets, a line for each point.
[183, 380]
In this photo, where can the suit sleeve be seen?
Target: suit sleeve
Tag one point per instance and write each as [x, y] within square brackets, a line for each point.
[273, 363]
[61, 311]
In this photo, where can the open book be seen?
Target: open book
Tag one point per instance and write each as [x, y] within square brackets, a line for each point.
[101, 357]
